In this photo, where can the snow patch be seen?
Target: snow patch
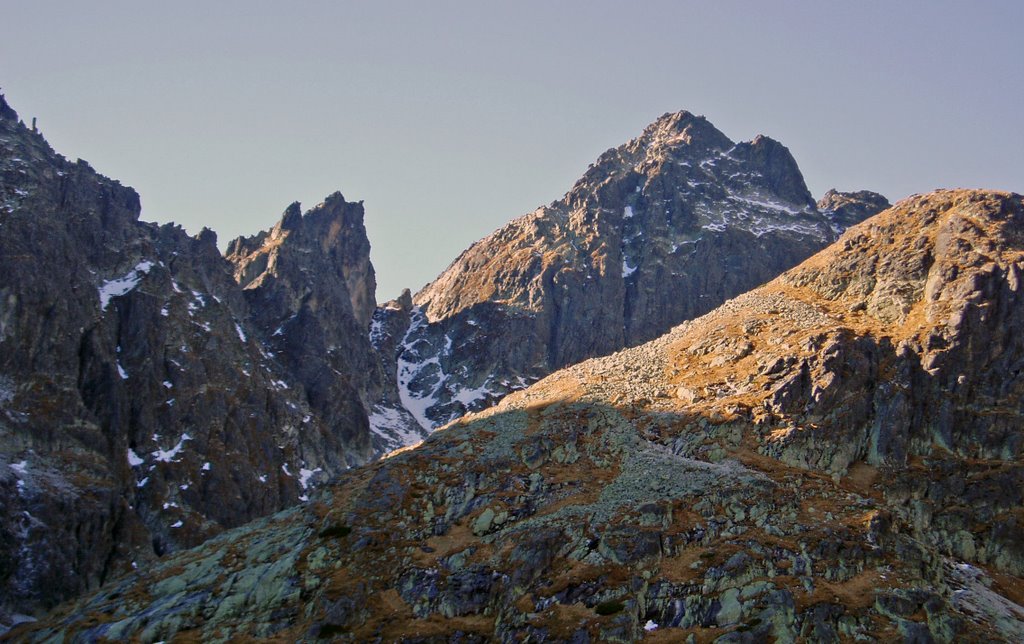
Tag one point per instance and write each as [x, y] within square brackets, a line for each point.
[417, 403]
[422, 380]
[122, 285]
[395, 426]
[627, 212]
[376, 331]
[167, 456]
[177, 524]
[134, 459]
[627, 270]
[767, 204]
[121, 372]
[305, 475]
[20, 468]
[240, 332]
[762, 215]
[469, 396]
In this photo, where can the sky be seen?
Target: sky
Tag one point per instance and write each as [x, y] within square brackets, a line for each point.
[448, 119]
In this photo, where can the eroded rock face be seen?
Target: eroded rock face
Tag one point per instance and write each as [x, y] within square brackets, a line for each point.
[143, 407]
[835, 455]
[660, 230]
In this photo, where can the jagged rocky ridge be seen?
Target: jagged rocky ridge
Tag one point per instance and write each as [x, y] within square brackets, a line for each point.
[311, 290]
[845, 209]
[146, 403]
[836, 455]
[657, 231]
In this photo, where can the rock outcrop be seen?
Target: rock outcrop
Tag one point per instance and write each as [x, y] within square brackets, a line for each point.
[657, 231]
[845, 209]
[144, 406]
[837, 455]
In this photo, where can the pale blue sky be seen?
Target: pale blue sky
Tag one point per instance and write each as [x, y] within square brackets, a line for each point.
[450, 118]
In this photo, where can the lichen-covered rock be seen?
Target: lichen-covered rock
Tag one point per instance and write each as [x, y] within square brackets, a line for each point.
[844, 473]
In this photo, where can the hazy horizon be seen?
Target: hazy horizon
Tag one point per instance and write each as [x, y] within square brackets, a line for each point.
[449, 119]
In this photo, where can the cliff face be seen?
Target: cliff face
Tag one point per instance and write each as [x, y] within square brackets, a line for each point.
[143, 407]
[659, 230]
[837, 454]
[310, 286]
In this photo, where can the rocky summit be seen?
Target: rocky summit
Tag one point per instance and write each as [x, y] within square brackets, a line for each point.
[835, 456]
[148, 399]
[657, 231]
[844, 209]
[311, 292]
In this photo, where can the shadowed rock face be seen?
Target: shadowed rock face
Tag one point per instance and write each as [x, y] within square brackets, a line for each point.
[835, 455]
[310, 286]
[659, 230]
[144, 407]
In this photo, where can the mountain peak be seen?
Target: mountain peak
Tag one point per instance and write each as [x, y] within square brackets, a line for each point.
[334, 198]
[678, 120]
[684, 128]
[6, 111]
[292, 216]
[657, 231]
[331, 235]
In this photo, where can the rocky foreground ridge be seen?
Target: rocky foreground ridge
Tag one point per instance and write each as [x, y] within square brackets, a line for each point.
[148, 400]
[836, 455]
[659, 230]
